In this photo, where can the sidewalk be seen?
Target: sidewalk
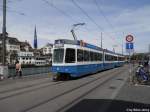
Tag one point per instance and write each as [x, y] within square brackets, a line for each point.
[24, 78]
[135, 98]
[130, 98]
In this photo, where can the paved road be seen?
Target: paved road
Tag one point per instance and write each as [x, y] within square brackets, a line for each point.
[93, 93]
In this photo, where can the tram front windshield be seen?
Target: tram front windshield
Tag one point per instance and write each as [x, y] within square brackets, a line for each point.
[58, 55]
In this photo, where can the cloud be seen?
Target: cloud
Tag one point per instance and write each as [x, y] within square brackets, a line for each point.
[0, 22]
[52, 24]
[132, 19]
[134, 22]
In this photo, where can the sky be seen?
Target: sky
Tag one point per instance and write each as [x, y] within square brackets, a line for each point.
[54, 20]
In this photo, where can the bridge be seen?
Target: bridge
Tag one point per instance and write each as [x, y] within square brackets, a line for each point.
[106, 91]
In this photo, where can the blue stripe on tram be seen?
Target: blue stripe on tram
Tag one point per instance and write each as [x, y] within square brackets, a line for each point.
[79, 70]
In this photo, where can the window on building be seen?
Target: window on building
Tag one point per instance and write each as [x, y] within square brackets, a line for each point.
[70, 55]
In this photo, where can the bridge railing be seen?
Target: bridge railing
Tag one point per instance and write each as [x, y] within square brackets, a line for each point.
[31, 70]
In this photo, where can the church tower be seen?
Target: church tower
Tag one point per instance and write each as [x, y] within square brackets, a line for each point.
[35, 39]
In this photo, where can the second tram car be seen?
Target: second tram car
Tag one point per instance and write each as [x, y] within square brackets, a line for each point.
[76, 58]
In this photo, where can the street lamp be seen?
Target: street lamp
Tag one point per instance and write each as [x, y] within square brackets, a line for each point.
[74, 26]
[4, 67]
[4, 32]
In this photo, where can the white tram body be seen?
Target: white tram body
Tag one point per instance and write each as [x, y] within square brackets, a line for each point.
[76, 58]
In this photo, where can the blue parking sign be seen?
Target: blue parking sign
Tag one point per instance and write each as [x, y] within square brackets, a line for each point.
[129, 46]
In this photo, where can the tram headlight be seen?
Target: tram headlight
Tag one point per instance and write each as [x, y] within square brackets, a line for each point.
[57, 68]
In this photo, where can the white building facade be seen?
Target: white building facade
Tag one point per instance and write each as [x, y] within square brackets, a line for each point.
[47, 49]
[26, 58]
[10, 47]
[39, 61]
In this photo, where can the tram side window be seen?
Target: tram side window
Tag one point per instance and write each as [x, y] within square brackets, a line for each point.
[79, 55]
[99, 57]
[108, 57]
[115, 58]
[120, 58]
[95, 56]
[70, 55]
[111, 58]
[86, 55]
[91, 56]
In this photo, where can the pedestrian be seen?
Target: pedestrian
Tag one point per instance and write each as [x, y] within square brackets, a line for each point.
[146, 66]
[141, 74]
[18, 69]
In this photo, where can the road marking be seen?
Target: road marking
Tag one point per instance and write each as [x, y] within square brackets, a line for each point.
[138, 85]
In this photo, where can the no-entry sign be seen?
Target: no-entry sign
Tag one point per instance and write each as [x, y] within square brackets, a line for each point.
[129, 38]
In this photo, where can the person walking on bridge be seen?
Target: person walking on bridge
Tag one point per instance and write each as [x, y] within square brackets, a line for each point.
[18, 69]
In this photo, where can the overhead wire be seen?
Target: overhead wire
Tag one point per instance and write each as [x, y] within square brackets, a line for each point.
[51, 4]
[59, 10]
[101, 12]
[85, 13]
[13, 11]
[90, 18]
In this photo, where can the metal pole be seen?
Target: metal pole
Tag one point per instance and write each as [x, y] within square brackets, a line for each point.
[122, 47]
[101, 40]
[73, 34]
[113, 49]
[4, 33]
[130, 67]
[122, 43]
[72, 30]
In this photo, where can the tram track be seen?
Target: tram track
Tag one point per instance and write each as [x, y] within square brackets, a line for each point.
[72, 90]
[19, 88]
[86, 93]
[30, 90]
[29, 86]
[24, 78]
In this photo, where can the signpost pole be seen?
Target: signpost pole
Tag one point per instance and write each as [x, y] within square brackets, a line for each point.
[129, 49]
[130, 69]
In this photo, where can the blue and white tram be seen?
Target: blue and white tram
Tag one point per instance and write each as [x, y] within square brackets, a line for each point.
[121, 60]
[76, 58]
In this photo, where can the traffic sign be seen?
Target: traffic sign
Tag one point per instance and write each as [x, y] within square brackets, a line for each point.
[129, 46]
[129, 38]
